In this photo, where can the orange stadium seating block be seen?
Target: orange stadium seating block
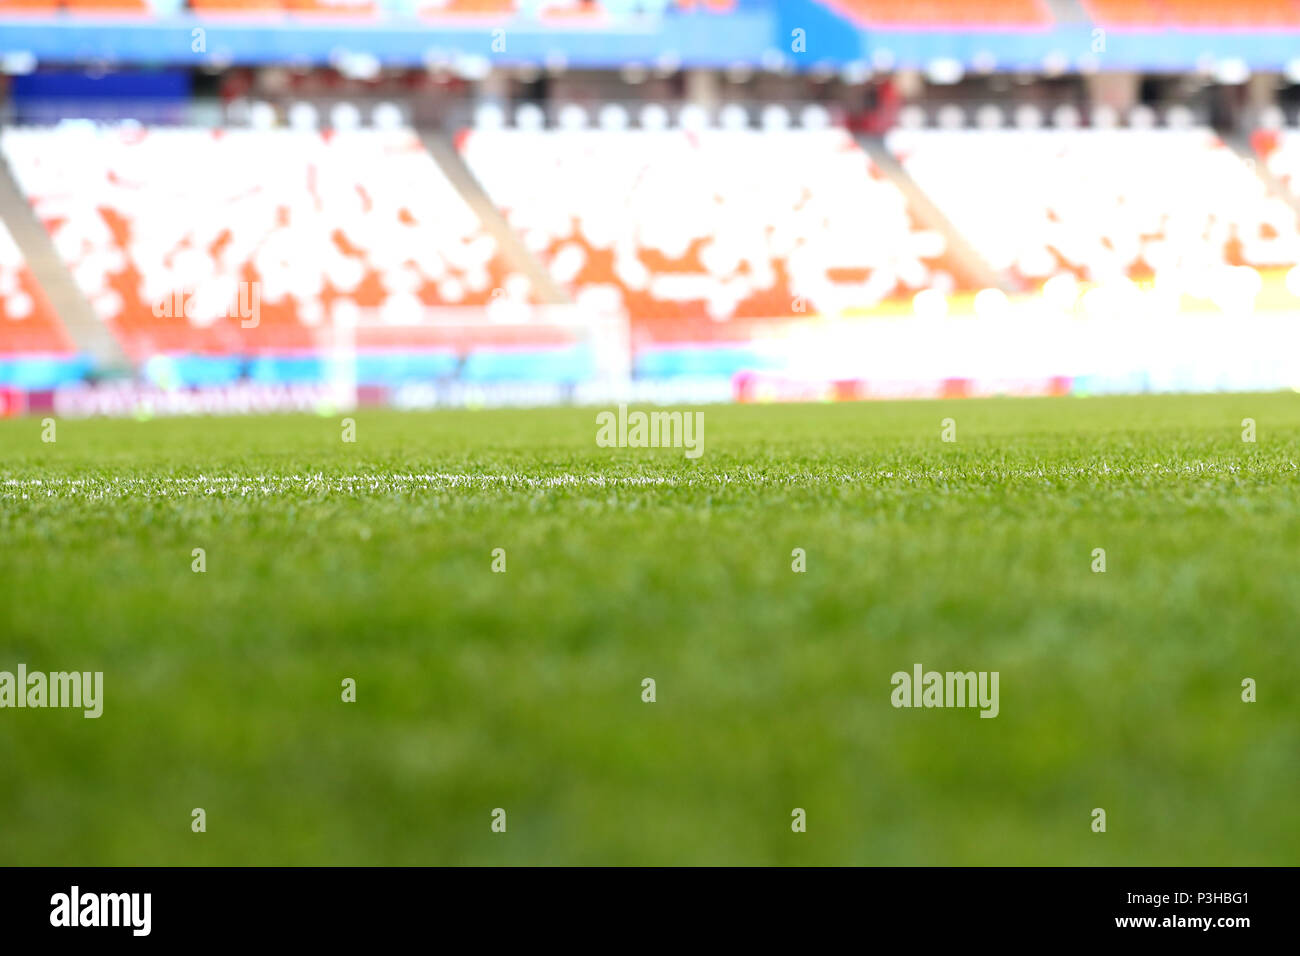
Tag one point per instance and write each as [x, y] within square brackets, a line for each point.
[28, 6]
[28, 323]
[1101, 205]
[109, 6]
[713, 226]
[237, 6]
[333, 8]
[360, 229]
[946, 12]
[1195, 13]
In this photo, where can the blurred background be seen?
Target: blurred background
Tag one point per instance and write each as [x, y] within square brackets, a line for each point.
[239, 205]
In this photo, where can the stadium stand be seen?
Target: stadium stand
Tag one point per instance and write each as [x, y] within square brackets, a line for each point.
[167, 230]
[549, 10]
[1194, 13]
[1102, 204]
[1280, 150]
[944, 13]
[94, 7]
[712, 224]
[236, 6]
[27, 323]
[35, 349]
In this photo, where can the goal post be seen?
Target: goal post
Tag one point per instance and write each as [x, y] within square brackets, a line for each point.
[552, 349]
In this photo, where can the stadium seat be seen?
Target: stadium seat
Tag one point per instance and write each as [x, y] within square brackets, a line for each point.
[934, 13]
[39, 7]
[237, 6]
[1194, 13]
[553, 10]
[709, 224]
[27, 322]
[175, 234]
[343, 8]
[139, 7]
[1280, 151]
[1102, 204]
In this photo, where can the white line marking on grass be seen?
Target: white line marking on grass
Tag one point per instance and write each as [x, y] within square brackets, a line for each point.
[281, 484]
[238, 485]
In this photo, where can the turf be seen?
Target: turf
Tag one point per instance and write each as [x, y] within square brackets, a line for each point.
[523, 690]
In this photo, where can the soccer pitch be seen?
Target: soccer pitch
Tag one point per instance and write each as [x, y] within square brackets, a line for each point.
[476, 689]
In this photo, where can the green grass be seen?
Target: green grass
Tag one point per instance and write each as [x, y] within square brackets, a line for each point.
[522, 690]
